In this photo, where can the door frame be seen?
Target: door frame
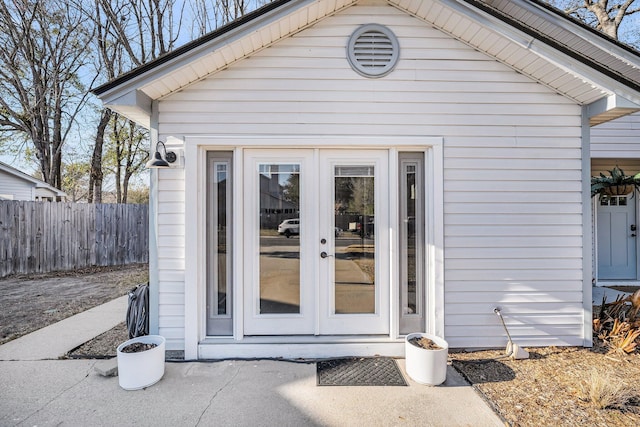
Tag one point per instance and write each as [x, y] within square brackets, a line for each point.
[596, 272]
[197, 345]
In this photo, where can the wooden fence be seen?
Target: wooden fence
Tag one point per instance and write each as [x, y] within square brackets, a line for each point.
[38, 237]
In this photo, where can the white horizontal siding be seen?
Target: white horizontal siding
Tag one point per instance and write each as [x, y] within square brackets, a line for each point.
[512, 166]
[617, 139]
[171, 256]
[12, 187]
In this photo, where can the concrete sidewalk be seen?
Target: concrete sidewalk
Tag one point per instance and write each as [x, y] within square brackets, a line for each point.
[36, 390]
[54, 341]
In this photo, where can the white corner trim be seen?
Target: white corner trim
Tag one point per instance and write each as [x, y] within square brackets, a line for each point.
[434, 242]
[194, 241]
[587, 258]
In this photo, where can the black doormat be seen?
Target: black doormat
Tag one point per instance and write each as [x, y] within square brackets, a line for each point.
[358, 371]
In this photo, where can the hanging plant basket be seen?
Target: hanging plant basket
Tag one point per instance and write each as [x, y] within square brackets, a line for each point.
[616, 184]
[618, 190]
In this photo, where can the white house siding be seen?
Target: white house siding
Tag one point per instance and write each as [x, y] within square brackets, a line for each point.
[617, 139]
[12, 187]
[171, 223]
[512, 167]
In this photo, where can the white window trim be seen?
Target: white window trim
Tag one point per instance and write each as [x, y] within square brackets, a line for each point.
[196, 148]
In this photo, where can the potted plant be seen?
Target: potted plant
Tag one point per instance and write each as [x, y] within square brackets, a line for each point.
[426, 358]
[616, 184]
[141, 361]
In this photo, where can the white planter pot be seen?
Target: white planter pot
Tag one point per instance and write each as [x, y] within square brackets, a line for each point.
[142, 369]
[426, 366]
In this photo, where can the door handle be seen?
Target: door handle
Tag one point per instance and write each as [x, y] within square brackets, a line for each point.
[323, 254]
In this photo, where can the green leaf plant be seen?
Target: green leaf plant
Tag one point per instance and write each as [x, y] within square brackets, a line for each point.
[603, 184]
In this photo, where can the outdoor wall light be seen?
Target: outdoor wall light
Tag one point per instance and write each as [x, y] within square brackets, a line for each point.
[161, 162]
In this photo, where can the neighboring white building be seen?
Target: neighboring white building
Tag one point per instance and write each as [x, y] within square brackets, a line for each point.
[616, 246]
[436, 153]
[17, 185]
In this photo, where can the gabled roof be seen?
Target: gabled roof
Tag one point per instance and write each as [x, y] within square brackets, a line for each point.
[35, 181]
[529, 36]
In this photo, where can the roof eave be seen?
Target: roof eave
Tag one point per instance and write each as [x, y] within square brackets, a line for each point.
[202, 43]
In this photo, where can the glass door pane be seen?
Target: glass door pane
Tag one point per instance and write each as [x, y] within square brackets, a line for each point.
[278, 264]
[280, 231]
[354, 246]
[219, 315]
[354, 266]
[412, 318]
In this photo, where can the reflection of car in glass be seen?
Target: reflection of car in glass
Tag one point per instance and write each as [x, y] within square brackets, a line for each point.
[365, 226]
[289, 227]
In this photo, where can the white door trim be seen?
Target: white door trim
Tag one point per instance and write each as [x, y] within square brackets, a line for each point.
[195, 176]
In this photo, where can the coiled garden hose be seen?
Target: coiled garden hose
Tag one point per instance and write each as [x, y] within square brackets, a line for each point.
[138, 311]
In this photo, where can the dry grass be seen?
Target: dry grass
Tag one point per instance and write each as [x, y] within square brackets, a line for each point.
[547, 389]
[605, 392]
[567, 386]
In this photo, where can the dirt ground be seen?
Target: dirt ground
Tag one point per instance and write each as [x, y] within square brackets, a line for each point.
[32, 302]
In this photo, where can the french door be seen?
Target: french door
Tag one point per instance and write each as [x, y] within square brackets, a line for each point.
[316, 239]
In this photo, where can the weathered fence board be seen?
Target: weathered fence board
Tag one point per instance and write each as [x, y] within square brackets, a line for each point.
[38, 237]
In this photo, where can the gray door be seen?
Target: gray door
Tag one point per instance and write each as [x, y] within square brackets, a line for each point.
[616, 238]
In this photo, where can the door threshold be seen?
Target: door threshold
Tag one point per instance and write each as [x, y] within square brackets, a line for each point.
[211, 349]
[608, 283]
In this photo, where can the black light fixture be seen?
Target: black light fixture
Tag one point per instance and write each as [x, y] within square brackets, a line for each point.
[161, 162]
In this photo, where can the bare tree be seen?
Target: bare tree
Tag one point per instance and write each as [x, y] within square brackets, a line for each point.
[127, 154]
[207, 15]
[145, 29]
[44, 47]
[604, 15]
[129, 33]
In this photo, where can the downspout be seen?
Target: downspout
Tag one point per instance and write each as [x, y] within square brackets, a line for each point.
[154, 291]
[587, 249]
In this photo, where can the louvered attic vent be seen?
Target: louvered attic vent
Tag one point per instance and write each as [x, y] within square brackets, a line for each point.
[373, 50]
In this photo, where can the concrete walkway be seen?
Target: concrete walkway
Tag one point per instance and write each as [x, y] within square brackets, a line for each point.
[54, 341]
[38, 390]
[226, 393]
[611, 295]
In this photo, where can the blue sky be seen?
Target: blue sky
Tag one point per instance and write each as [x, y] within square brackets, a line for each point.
[79, 145]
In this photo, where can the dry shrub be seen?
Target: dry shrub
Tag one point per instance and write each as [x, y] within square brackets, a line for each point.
[606, 392]
[622, 337]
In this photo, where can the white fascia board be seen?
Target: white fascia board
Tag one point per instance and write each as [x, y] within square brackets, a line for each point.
[612, 102]
[204, 49]
[583, 33]
[544, 51]
[134, 105]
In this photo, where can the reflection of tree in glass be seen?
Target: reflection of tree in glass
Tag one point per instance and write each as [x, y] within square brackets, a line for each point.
[362, 196]
[344, 194]
[291, 189]
[354, 195]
